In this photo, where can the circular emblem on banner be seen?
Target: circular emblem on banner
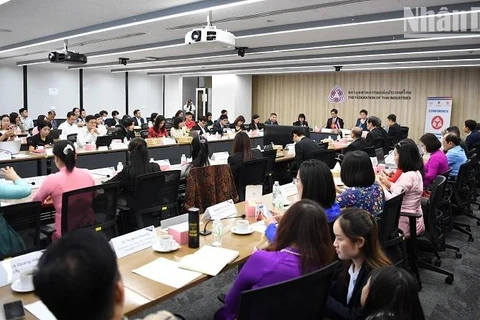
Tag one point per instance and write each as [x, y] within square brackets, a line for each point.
[437, 122]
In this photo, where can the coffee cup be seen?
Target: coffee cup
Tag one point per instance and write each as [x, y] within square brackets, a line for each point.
[242, 226]
[26, 279]
[166, 242]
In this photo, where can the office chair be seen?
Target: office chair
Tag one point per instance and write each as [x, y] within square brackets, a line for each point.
[250, 173]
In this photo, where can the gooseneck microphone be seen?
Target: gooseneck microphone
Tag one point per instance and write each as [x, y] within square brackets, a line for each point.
[206, 232]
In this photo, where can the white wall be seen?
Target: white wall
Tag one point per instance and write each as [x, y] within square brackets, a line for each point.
[243, 97]
[42, 78]
[145, 93]
[173, 95]
[232, 93]
[11, 89]
[189, 88]
[103, 90]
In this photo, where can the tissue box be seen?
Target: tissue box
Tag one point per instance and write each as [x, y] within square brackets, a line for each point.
[179, 232]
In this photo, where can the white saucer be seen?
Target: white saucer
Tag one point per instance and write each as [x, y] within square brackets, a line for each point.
[249, 231]
[157, 248]
[17, 288]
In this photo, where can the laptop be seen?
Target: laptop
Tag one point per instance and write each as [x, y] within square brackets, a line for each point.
[380, 156]
[104, 141]
[12, 147]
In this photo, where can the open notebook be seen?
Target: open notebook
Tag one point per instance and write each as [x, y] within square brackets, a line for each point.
[208, 260]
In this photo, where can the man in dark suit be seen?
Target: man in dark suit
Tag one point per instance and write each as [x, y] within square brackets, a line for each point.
[137, 117]
[114, 120]
[220, 125]
[272, 120]
[304, 147]
[394, 129]
[358, 142]
[472, 134]
[201, 125]
[334, 122]
[377, 136]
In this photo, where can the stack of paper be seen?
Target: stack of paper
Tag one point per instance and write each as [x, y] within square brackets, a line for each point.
[209, 260]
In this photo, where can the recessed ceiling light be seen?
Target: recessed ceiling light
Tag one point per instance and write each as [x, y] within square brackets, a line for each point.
[5, 30]
[150, 58]
[270, 20]
[3, 1]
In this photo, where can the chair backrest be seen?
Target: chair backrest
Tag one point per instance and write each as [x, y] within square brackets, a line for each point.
[250, 172]
[271, 155]
[431, 213]
[370, 151]
[300, 298]
[388, 223]
[326, 156]
[93, 208]
[24, 219]
[209, 185]
[168, 123]
[144, 126]
[72, 137]
[144, 134]
[156, 196]
[55, 133]
[461, 195]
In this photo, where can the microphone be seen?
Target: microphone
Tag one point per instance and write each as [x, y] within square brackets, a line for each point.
[206, 232]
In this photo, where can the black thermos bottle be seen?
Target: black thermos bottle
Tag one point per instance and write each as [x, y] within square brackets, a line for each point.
[193, 228]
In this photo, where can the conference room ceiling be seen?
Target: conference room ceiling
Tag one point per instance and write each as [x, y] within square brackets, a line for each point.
[282, 35]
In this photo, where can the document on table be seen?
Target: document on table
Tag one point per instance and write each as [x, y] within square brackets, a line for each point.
[167, 272]
[40, 311]
[209, 260]
[259, 226]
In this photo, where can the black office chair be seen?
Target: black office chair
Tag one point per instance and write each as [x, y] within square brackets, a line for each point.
[156, 197]
[168, 124]
[144, 126]
[271, 155]
[370, 151]
[300, 298]
[24, 220]
[55, 133]
[326, 156]
[250, 173]
[144, 134]
[72, 137]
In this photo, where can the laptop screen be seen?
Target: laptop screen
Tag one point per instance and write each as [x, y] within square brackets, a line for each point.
[380, 155]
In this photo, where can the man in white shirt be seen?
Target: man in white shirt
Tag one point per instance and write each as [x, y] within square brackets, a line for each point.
[189, 106]
[102, 130]
[138, 118]
[27, 122]
[69, 126]
[89, 133]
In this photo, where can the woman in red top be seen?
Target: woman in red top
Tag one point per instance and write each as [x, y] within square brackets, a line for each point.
[158, 130]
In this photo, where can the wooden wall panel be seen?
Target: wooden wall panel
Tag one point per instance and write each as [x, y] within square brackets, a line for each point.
[291, 94]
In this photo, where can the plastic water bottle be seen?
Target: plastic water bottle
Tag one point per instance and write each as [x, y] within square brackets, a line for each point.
[119, 166]
[152, 160]
[276, 194]
[259, 148]
[183, 159]
[125, 141]
[217, 232]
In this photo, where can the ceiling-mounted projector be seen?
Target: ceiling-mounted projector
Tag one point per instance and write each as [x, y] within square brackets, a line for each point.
[210, 36]
[67, 57]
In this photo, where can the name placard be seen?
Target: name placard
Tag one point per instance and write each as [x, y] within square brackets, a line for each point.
[218, 156]
[134, 241]
[220, 210]
[10, 269]
[168, 141]
[288, 190]
[164, 164]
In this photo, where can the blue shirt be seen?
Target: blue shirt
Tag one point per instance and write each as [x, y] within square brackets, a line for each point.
[456, 157]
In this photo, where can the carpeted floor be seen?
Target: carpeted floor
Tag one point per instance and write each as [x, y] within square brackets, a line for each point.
[440, 301]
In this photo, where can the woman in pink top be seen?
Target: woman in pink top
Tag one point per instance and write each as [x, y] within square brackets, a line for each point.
[67, 179]
[407, 158]
[438, 163]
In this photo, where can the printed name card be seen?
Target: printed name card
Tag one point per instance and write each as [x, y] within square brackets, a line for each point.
[134, 241]
[168, 141]
[10, 268]
[220, 210]
[217, 156]
[288, 190]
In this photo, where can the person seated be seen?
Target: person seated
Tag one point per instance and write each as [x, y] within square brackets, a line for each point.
[391, 293]
[201, 125]
[302, 245]
[114, 120]
[377, 135]
[153, 116]
[237, 125]
[137, 118]
[223, 112]
[437, 163]
[199, 152]
[179, 114]
[69, 126]
[407, 158]
[255, 124]
[189, 122]
[126, 131]
[362, 121]
[304, 148]
[89, 133]
[51, 114]
[40, 118]
[455, 154]
[456, 130]
[473, 136]
[394, 129]
[334, 122]
[68, 178]
[358, 142]
[356, 243]
[241, 152]
[15, 120]
[83, 267]
[301, 121]
[26, 120]
[179, 129]
[209, 119]
[139, 164]
[362, 190]
[7, 131]
[272, 120]
[101, 128]
[41, 139]
[314, 181]
[158, 130]
[220, 126]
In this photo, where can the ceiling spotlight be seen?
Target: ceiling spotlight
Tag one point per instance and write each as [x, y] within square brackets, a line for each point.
[241, 51]
[123, 61]
[338, 68]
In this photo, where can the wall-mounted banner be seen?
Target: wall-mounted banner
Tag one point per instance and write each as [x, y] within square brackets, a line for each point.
[439, 112]
[336, 95]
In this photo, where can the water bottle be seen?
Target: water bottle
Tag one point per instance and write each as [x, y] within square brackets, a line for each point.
[193, 228]
[217, 232]
[183, 159]
[273, 146]
[276, 193]
[119, 166]
[152, 160]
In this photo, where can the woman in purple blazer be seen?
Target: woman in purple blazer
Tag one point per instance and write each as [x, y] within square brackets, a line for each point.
[438, 163]
[302, 245]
